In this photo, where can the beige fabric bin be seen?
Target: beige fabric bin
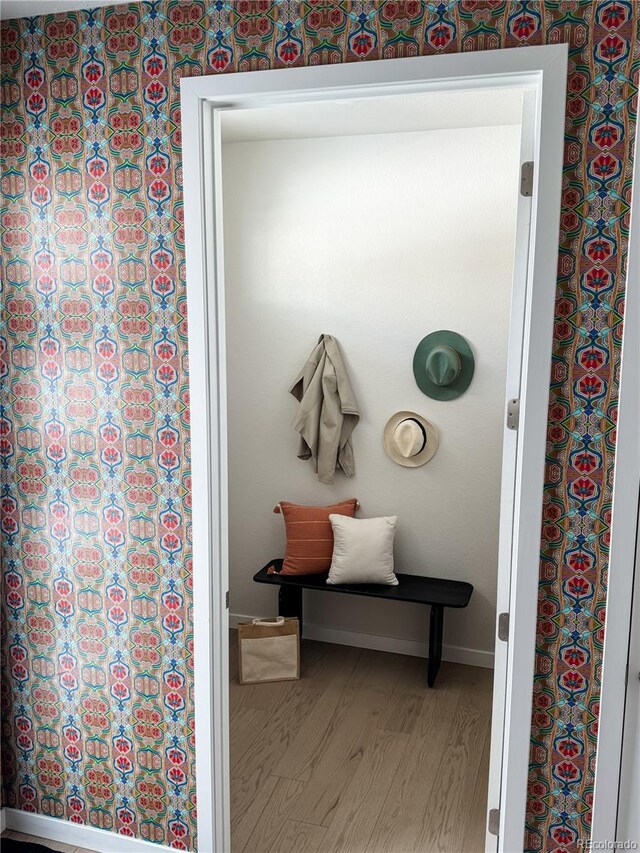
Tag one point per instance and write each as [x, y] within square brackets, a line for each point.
[268, 650]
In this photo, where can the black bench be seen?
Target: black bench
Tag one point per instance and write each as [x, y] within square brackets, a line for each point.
[434, 592]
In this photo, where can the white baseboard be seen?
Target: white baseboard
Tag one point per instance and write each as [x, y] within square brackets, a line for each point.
[380, 643]
[79, 835]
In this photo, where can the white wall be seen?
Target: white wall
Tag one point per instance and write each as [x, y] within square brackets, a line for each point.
[376, 240]
[628, 828]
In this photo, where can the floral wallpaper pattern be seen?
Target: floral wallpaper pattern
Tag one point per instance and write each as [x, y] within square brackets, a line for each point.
[97, 709]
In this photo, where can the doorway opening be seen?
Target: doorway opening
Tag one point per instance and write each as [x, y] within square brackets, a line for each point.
[360, 218]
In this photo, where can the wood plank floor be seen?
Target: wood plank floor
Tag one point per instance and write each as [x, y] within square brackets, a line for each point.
[54, 845]
[360, 757]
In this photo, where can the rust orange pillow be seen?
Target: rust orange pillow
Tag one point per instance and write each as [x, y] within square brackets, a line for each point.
[310, 536]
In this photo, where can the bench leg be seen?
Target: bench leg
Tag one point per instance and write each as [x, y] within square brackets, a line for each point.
[290, 603]
[435, 642]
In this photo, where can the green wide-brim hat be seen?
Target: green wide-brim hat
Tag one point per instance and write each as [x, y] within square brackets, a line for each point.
[443, 365]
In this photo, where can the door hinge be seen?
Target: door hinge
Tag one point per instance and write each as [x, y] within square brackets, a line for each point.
[513, 414]
[226, 599]
[526, 179]
[503, 627]
[494, 821]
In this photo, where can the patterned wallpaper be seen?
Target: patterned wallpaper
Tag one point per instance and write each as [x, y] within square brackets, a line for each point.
[96, 607]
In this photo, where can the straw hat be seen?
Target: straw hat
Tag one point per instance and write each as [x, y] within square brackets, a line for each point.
[409, 439]
[443, 365]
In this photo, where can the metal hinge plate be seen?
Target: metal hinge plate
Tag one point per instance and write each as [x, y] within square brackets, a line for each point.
[626, 675]
[494, 821]
[526, 179]
[226, 599]
[513, 414]
[503, 627]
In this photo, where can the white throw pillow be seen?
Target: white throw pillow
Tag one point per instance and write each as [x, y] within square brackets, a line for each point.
[362, 550]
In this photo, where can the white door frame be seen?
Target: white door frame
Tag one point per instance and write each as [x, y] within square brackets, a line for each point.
[516, 358]
[623, 545]
[543, 71]
[628, 816]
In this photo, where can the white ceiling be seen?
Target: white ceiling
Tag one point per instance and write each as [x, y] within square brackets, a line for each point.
[31, 8]
[386, 114]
